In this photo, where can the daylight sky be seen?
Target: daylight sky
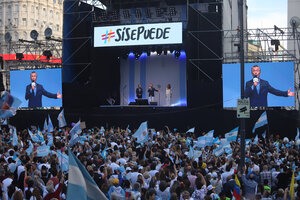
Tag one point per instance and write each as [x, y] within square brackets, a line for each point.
[267, 13]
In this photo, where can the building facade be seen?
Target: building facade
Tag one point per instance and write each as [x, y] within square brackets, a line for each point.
[20, 17]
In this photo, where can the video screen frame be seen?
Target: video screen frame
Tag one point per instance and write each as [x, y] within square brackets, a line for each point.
[280, 76]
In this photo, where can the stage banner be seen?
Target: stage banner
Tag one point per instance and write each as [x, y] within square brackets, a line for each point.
[139, 34]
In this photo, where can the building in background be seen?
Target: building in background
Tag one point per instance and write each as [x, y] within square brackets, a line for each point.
[17, 20]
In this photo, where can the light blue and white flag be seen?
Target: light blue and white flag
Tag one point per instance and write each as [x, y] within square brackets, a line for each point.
[104, 153]
[50, 125]
[263, 120]
[76, 129]
[74, 139]
[232, 135]
[297, 136]
[34, 138]
[191, 130]
[255, 141]
[264, 134]
[61, 119]
[128, 130]
[15, 137]
[80, 184]
[30, 148]
[142, 133]
[222, 149]
[45, 128]
[216, 141]
[40, 135]
[206, 140]
[63, 161]
[50, 139]
[102, 130]
[43, 151]
[191, 153]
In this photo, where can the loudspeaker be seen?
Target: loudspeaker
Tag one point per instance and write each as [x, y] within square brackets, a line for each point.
[141, 102]
[153, 103]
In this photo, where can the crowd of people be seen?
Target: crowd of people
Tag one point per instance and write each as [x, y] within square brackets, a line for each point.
[163, 167]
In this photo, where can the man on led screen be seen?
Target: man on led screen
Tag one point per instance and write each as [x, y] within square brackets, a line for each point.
[258, 89]
[34, 92]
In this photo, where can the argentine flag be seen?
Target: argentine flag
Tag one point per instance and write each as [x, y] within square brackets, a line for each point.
[34, 138]
[191, 130]
[15, 137]
[50, 125]
[263, 120]
[61, 119]
[81, 185]
[30, 148]
[45, 128]
[76, 129]
[232, 135]
[63, 161]
[142, 133]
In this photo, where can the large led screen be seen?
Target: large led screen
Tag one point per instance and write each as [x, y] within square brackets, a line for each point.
[37, 88]
[266, 84]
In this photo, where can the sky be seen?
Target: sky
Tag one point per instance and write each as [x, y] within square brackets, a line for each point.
[267, 13]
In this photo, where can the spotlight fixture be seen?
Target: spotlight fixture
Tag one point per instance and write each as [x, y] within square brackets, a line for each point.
[126, 14]
[165, 52]
[148, 13]
[148, 52]
[159, 51]
[158, 12]
[177, 53]
[138, 13]
[19, 56]
[137, 55]
[34, 34]
[48, 54]
[172, 11]
[276, 43]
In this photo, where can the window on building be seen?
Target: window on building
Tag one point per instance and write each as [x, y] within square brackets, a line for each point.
[24, 35]
[44, 12]
[32, 22]
[24, 8]
[16, 36]
[36, 22]
[17, 8]
[57, 27]
[32, 9]
[37, 10]
[51, 14]
[8, 21]
[16, 21]
[24, 22]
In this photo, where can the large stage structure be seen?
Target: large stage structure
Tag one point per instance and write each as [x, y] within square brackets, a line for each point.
[89, 72]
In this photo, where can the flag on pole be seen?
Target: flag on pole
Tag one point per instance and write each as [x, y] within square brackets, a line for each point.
[8, 105]
[232, 135]
[40, 135]
[76, 129]
[292, 186]
[255, 140]
[63, 161]
[142, 133]
[50, 139]
[263, 120]
[15, 137]
[45, 128]
[237, 188]
[61, 119]
[34, 138]
[80, 184]
[50, 125]
[30, 148]
[191, 153]
[191, 130]
[297, 136]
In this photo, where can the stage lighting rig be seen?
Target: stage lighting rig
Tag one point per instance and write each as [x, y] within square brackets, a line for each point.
[126, 14]
[138, 13]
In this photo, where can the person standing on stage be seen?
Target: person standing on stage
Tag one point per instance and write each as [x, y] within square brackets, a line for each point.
[168, 95]
[139, 92]
[151, 91]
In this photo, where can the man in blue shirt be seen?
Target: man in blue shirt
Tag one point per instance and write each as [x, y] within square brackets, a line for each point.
[34, 92]
[257, 89]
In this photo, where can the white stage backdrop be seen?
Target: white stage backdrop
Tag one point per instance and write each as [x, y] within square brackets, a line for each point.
[158, 70]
